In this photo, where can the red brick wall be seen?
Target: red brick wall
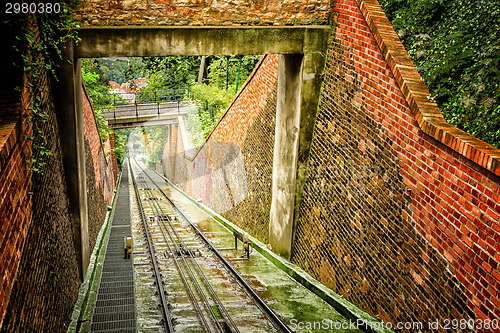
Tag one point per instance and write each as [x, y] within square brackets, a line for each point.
[15, 204]
[39, 275]
[231, 173]
[400, 211]
[99, 170]
[203, 12]
[399, 223]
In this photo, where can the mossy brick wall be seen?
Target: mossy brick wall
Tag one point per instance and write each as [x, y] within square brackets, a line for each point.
[402, 225]
[99, 171]
[39, 270]
[202, 12]
[232, 172]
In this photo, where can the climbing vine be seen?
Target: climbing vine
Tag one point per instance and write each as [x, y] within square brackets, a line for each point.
[36, 50]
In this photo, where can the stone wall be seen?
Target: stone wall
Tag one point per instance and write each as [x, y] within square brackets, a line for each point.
[403, 225]
[203, 12]
[99, 169]
[39, 272]
[231, 173]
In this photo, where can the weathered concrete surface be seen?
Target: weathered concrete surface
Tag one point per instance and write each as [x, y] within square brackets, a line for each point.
[69, 109]
[190, 41]
[286, 143]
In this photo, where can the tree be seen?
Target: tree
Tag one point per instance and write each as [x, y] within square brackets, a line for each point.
[97, 92]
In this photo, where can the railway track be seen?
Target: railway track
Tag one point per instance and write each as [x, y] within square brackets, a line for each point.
[180, 244]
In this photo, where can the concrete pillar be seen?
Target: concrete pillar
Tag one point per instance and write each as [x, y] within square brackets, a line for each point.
[286, 144]
[112, 144]
[173, 149]
[69, 108]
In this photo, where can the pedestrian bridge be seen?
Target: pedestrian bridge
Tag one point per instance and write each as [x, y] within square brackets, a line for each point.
[150, 108]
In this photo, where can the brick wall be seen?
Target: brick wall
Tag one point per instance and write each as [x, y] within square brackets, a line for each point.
[38, 267]
[231, 173]
[15, 204]
[99, 171]
[400, 212]
[39, 274]
[203, 12]
[395, 220]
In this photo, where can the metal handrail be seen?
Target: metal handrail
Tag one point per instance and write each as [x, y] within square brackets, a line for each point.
[155, 97]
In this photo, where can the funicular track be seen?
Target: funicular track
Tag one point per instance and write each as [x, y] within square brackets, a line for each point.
[212, 313]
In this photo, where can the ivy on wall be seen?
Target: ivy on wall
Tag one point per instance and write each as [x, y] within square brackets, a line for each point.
[35, 48]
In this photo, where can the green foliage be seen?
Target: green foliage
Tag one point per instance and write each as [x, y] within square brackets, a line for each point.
[158, 136]
[211, 104]
[121, 139]
[213, 98]
[218, 66]
[454, 45]
[171, 72]
[97, 92]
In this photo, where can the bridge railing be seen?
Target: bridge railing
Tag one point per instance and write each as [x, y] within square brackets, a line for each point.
[144, 103]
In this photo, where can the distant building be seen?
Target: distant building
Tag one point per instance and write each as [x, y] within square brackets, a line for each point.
[114, 87]
[126, 90]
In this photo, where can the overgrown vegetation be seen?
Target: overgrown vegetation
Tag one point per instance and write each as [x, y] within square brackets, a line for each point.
[455, 46]
[33, 55]
[211, 103]
[97, 92]
[224, 78]
[166, 73]
[157, 136]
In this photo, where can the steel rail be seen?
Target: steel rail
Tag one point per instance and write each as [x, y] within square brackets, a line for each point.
[186, 283]
[159, 284]
[181, 252]
[190, 273]
[186, 249]
[273, 316]
[181, 273]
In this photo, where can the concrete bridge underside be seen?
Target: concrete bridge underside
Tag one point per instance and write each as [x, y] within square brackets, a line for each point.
[302, 52]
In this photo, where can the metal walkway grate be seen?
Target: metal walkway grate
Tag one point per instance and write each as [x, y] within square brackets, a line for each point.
[114, 309]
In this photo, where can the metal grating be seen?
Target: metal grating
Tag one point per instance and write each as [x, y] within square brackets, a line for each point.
[114, 309]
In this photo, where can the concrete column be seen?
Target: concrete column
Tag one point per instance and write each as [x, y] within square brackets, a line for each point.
[173, 150]
[112, 144]
[69, 108]
[286, 144]
[82, 175]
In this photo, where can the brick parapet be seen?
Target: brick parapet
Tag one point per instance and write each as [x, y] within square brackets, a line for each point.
[15, 203]
[38, 264]
[425, 110]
